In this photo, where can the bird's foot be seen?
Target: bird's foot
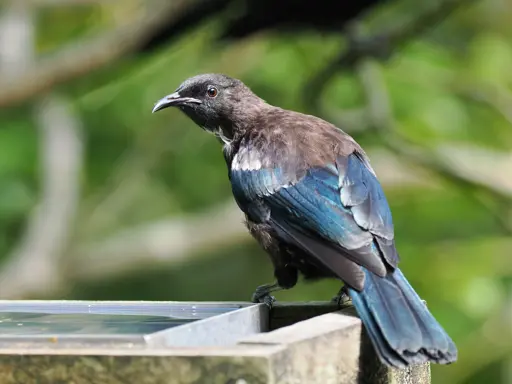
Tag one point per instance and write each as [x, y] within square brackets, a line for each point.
[342, 298]
[262, 294]
[268, 300]
[265, 298]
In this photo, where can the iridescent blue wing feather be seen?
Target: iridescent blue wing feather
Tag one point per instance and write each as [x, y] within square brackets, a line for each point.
[337, 207]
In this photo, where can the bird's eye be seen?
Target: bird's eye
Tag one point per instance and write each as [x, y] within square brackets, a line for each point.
[212, 91]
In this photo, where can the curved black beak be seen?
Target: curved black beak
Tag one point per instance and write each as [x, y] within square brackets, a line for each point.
[173, 100]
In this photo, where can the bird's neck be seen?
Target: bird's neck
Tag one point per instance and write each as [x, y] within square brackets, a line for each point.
[246, 113]
[244, 118]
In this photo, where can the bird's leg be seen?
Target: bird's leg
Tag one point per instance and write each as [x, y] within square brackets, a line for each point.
[262, 294]
[342, 298]
[286, 276]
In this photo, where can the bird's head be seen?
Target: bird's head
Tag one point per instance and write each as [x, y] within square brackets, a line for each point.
[215, 102]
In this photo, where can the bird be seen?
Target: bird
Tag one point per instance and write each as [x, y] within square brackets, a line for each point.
[313, 202]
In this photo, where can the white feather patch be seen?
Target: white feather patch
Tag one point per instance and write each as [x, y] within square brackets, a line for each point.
[246, 160]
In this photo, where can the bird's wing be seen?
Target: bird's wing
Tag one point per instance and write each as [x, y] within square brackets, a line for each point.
[362, 193]
[338, 213]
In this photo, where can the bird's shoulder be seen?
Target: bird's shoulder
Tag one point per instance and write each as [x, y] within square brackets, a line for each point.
[289, 139]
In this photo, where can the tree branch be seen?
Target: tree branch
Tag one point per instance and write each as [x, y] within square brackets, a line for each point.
[59, 3]
[166, 242]
[381, 120]
[377, 46]
[83, 57]
[500, 100]
[34, 263]
[379, 116]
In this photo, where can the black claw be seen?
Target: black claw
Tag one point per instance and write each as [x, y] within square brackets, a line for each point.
[263, 297]
[257, 297]
[269, 301]
[342, 298]
[262, 294]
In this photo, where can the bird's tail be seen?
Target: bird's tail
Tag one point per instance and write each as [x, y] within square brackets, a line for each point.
[400, 326]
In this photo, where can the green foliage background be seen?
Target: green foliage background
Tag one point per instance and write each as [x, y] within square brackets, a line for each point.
[453, 251]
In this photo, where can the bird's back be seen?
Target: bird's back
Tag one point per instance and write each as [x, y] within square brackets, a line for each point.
[289, 139]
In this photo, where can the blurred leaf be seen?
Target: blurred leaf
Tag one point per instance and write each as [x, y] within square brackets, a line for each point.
[446, 116]
[18, 147]
[490, 59]
[61, 25]
[15, 199]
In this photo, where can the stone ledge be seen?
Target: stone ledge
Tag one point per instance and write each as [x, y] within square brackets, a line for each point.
[330, 348]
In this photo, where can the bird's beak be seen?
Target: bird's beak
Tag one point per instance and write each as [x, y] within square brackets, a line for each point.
[172, 100]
